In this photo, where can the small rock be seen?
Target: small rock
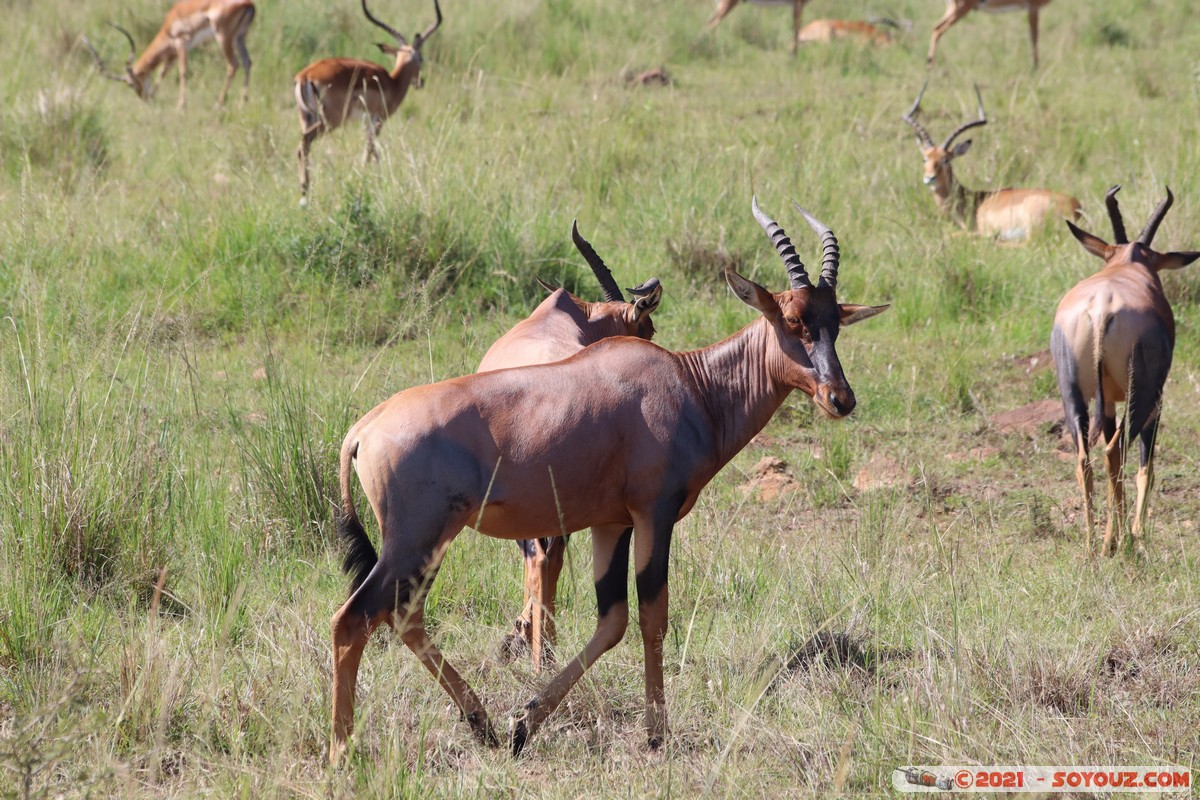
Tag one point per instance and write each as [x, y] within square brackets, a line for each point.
[259, 374]
[769, 480]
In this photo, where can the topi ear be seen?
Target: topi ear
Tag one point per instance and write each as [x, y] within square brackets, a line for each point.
[752, 294]
[1176, 260]
[851, 314]
[961, 148]
[1093, 244]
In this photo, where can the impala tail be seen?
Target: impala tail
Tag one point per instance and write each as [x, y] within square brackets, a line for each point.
[360, 555]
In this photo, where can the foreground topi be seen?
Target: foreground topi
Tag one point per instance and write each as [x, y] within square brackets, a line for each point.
[1113, 338]
[623, 434]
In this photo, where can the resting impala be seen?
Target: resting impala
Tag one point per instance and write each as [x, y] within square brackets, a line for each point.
[333, 90]
[622, 434]
[957, 9]
[1006, 213]
[1112, 340]
[189, 23]
[824, 31]
[725, 6]
[560, 327]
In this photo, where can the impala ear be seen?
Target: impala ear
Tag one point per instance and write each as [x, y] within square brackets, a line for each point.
[389, 49]
[851, 314]
[1093, 244]
[961, 148]
[549, 287]
[1176, 260]
[751, 293]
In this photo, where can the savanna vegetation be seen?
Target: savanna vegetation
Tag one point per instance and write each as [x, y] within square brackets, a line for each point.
[182, 348]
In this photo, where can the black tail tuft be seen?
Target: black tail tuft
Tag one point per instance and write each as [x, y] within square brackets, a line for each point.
[360, 556]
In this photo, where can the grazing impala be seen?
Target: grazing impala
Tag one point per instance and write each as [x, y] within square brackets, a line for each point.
[189, 23]
[957, 9]
[725, 6]
[1005, 213]
[333, 90]
[624, 433]
[560, 327]
[1112, 340]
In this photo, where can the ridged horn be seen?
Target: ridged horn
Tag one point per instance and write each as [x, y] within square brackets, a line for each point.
[797, 276]
[1147, 234]
[399, 37]
[831, 254]
[612, 292]
[1114, 214]
[966, 126]
[424, 35]
[911, 118]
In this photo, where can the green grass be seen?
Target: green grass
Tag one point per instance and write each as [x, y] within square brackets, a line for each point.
[182, 348]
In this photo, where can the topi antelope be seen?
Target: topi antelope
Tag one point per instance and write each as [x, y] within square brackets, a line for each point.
[623, 434]
[188, 23]
[560, 327]
[1005, 213]
[1112, 340]
[333, 90]
[957, 9]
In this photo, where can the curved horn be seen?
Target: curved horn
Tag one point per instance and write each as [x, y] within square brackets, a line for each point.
[648, 287]
[422, 37]
[129, 38]
[612, 292]
[399, 37]
[1114, 214]
[1147, 234]
[966, 126]
[99, 61]
[911, 119]
[831, 255]
[797, 276]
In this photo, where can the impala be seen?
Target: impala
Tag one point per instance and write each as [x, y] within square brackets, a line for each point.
[1112, 340]
[332, 90]
[957, 9]
[725, 6]
[560, 327]
[824, 31]
[623, 434]
[1006, 213]
[188, 23]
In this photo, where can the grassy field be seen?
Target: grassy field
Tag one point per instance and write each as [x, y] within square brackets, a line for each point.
[182, 348]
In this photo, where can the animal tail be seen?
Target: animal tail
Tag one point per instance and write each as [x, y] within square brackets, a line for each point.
[360, 556]
[308, 100]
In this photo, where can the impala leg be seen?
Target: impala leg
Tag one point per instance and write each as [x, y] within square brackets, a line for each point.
[1114, 459]
[610, 564]
[1033, 33]
[955, 10]
[230, 67]
[723, 9]
[651, 554]
[307, 136]
[797, 22]
[244, 56]
[1145, 482]
[181, 55]
[373, 125]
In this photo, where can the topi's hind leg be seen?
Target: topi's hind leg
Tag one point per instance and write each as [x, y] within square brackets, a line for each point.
[351, 630]
[1114, 460]
[1145, 482]
[542, 631]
